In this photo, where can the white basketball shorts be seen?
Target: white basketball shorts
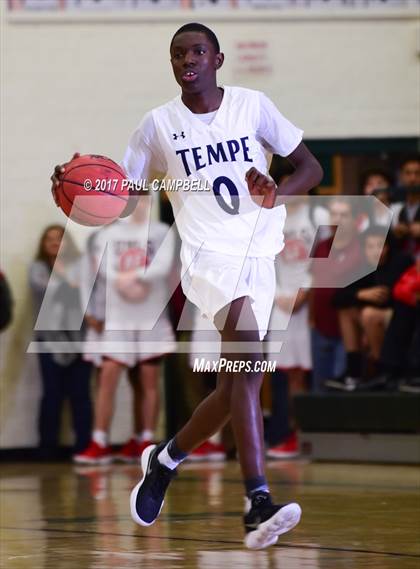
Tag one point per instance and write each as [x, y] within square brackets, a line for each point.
[211, 280]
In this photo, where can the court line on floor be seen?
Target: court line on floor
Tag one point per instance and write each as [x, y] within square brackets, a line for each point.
[310, 484]
[226, 542]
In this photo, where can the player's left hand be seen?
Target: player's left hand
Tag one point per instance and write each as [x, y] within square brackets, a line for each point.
[261, 187]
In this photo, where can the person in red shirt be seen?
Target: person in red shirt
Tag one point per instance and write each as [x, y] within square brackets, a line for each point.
[407, 289]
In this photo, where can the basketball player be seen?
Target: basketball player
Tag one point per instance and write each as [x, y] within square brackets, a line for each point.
[230, 235]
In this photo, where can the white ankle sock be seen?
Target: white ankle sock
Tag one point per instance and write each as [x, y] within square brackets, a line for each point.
[166, 460]
[100, 437]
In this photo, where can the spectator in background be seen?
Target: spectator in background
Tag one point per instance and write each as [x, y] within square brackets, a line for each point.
[400, 356]
[289, 319]
[407, 222]
[376, 182]
[6, 303]
[133, 297]
[365, 307]
[94, 299]
[344, 253]
[63, 375]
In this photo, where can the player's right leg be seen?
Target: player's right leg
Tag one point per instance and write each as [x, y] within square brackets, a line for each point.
[159, 462]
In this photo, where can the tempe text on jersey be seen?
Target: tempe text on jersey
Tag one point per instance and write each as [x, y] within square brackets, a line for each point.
[225, 151]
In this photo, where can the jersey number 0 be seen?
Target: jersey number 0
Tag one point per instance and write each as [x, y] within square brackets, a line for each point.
[233, 207]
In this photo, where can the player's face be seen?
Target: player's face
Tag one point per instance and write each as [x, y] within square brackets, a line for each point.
[194, 62]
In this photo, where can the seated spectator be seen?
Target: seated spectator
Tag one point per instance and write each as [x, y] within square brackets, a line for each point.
[406, 225]
[55, 271]
[400, 355]
[376, 182]
[365, 306]
[344, 254]
[133, 297]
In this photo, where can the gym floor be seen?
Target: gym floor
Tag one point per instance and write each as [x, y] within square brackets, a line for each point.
[354, 517]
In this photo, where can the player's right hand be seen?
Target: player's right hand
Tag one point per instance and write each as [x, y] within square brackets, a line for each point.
[55, 178]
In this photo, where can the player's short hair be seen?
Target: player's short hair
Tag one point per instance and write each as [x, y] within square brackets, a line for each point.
[196, 27]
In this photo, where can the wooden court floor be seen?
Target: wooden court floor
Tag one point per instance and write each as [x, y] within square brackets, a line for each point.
[354, 517]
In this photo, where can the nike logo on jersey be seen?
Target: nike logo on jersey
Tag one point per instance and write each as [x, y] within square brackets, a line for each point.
[180, 135]
[226, 151]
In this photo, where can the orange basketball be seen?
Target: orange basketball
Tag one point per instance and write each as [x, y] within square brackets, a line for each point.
[91, 190]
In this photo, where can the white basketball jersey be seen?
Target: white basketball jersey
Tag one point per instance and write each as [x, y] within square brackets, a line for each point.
[224, 218]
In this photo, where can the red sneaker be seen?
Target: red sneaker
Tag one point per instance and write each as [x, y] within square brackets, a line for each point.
[94, 454]
[131, 451]
[288, 449]
[208, 451]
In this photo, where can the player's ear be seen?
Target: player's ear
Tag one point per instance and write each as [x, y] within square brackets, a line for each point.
[219, 60]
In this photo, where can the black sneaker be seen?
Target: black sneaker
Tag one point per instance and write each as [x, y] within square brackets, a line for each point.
[265, 521]
[147, 498]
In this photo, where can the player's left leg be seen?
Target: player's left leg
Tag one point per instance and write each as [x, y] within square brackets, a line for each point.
[264, 521]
